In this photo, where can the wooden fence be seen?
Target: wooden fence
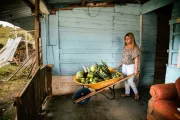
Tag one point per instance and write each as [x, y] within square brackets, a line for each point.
[29, 101]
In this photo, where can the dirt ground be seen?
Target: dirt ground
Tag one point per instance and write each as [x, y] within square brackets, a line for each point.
[8, 91]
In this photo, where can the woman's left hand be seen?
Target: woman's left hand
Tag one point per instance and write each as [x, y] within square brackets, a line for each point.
[136, 72]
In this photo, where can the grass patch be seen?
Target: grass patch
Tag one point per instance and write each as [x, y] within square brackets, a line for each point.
[9, 114]
[7, 70]
[8, 91]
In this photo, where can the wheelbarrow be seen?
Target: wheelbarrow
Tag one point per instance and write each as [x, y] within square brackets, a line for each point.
[83, 95]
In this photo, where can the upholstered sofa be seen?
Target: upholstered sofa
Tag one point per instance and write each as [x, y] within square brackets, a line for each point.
[164, 101]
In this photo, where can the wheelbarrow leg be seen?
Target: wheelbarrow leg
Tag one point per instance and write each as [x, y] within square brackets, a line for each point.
[113, 91]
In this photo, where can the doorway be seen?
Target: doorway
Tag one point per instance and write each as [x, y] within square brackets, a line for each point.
[162, 44]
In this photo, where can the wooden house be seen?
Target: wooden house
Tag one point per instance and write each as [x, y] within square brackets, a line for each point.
[76, 32]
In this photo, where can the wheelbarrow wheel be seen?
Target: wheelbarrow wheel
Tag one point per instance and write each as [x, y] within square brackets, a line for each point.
[80, 93]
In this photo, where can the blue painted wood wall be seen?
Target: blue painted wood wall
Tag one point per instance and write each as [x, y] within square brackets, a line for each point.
[88, 35]
[172, 72]
[148, 48]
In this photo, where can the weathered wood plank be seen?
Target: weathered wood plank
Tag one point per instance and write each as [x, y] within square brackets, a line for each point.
[148, 70]
[62, 85]
[129, 9]
[84, 25]
[92, 16]
[149, 56]
[125, 22]
[87, 51]
[87, 21]
[53, 30]
[85, 14]
[85, 37]
[85, 45]
[148, 63]
[89, 57]
[103, 9]
[71, 8]
[147, 79]
[149, 48]
[126, 27]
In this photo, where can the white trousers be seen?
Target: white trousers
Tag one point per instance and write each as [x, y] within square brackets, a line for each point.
[128, 70]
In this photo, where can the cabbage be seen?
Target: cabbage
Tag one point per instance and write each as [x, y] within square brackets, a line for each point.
[80, 74]
[93, 68]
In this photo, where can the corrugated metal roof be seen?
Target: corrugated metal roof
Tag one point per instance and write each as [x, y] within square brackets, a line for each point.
[18, 13]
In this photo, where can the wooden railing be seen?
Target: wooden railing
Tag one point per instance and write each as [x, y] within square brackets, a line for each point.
[29, 101]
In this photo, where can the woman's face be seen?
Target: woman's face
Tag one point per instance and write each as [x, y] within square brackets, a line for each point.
[128, 40]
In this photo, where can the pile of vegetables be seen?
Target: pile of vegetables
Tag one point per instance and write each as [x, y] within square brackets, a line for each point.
[96, 73]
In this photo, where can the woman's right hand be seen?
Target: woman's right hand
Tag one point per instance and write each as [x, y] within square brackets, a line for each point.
[116, 68]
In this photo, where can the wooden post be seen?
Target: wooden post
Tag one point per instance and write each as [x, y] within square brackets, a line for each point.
[140, 46]
[26, 42]
[15, 31]
[49, 79]
[36, 33]
[83, 2]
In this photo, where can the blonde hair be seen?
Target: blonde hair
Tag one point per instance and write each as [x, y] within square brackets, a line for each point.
[131, 35]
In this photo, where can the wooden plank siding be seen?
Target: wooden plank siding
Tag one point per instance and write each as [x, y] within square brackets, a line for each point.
[172, 72]
[89, 35]
[148, 48]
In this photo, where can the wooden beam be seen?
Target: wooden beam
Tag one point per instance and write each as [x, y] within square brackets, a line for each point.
[36, 32]
[83, 2]
[70, 8]
[154, 4]
[43, 8]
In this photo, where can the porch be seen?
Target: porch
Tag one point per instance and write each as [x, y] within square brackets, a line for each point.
[99, 107]
[72, 36]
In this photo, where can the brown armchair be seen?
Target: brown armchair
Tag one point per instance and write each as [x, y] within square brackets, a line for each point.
[164, 101]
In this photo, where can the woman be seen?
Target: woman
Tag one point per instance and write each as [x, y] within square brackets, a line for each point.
[129, 63]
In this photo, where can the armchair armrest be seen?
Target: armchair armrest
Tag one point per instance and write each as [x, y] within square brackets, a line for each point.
[163, 91]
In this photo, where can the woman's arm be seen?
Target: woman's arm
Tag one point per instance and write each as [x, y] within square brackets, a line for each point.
[136, 60]
[119, 65]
